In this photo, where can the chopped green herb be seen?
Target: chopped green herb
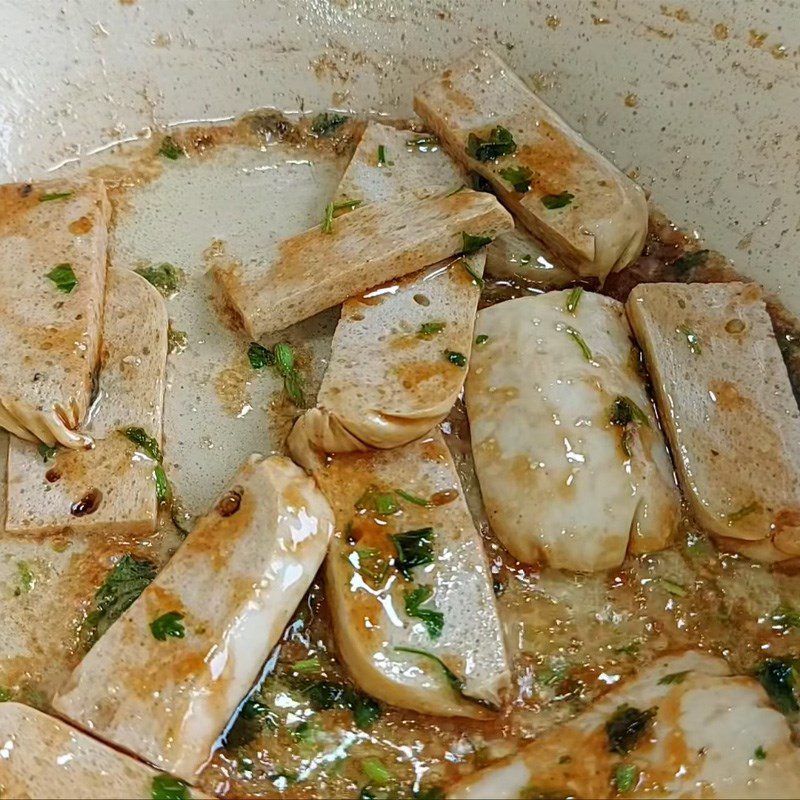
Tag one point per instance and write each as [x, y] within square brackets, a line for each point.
[46, 452]
[428, 329]
[459, 359]
[305, 732]
[376, 771]
[292, 380]
[147, 444]
[129, 577]
[170, 149]
[332, 209]
[500, 143]
[324, 695]
[692, 339]
[554, 201]
[471, 244]
[163, 489]
[168, 624]
[626, 776]
[176, 340]
[307, 665]
[685, 266]
[481, 339]
[779, 677]
[372, 564]
[46, 198]
[674, 678]
[433, 620]
[382, 162]
[786, 617]
[455, 682]
[414, 549]
[166, 277]
[743, 512]
[625, 412]
[165, 787]
[626, 727]
[5, 694]
[581, 342]
[760, 753]
[573, 298]
[327, 122]
[476, 278]
[425, 144]
[381, 503]
[259, 357]
[673, 588]
[253, 718]
[518, 177]
[412, 498]
[63, 277]
[27, 580]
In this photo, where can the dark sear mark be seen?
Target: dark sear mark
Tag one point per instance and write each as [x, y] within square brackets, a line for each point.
[229, 503]
[88, 504]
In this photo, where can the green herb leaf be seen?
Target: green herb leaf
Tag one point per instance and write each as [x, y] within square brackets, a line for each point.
[168, 624]
[307, 665]
[455, 682]
[292, 380]
[553, 201]
[685, 266]
[46, 198]
[580, 341]
[165, 277]
[147, 444]
[165, 787]
[332, 209]
[324, 695]
[254, 717]
[459, 359]
[376, 771]
[129, 577]
[476, 278]
[426, 144]
[471, 244]
[46, 452]
[414, 549]
[760, 753]
[626, 776]
[779, 677]
[785, 617]
[692, 339]
[481, 339]
[626, 727]
[163, 489]
[518, 177]
[573, 298]
[176, 340]
[674, 678]
[412, 498]
[745, 511]
[27, 579]
[372, 564]
[428, 329]
[259, 357]
[499, 143]
[381, 503]
[382, 162]
[625, 412]
[327, 122]
[63, 277]
[170, 149]
[433, 620]
[673, 588]
[5, 694]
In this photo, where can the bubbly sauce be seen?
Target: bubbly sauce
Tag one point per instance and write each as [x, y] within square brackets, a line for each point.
[570, 637]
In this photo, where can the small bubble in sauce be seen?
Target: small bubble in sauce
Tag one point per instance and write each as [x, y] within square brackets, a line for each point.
[444, 497]
[229, 503]
[734, 326]
[88, 504]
